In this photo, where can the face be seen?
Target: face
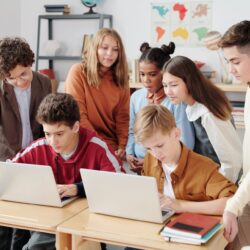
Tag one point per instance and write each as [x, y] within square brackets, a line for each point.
[108, 52]
[165, 147]
[150, 76]
[62, 138]
[20, 77]
[238, 63]
[175, 89]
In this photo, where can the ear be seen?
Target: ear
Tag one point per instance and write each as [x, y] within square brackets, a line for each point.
[76, 127]
[177, 133]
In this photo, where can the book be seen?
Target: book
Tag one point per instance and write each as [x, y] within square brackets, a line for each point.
[187, 240]
[191, 225]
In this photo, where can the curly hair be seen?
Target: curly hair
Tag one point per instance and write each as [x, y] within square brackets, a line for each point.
[157, 56]
[58, 108]
[14, 51]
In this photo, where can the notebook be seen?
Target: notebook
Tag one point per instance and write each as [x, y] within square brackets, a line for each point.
[27, 183]
[123, 195]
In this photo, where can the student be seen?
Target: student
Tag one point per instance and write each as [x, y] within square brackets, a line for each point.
[188, 182]
[21, 91]
[150, 65]
[209, 110]
[100, 86]
[236, 47]
[66, 148]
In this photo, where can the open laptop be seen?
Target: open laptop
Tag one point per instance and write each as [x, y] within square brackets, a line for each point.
[29, 183]
[123, 195]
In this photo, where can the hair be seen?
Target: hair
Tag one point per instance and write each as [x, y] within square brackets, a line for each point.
[157, 56]
[237, 35]
[150, 119]
[58, 108]
[199, 87]
[91, 63]
[14, 51]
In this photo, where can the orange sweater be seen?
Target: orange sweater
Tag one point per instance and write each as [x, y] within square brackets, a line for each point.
[104, 109]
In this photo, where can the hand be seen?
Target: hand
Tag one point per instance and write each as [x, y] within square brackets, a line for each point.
[136, 164]
[231, 225]
[170, 203]
[120, 153]
[67, 190]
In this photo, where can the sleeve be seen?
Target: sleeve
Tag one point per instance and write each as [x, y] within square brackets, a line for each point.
[74, 85]
[186, 127]
[122, 118]
[217, 185]
[226, 144]
[241, 198]
[131, 139]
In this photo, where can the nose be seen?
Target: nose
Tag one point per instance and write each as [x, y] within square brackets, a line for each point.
[155, 153]
[109, 52]
[231, 68]
[167, 91]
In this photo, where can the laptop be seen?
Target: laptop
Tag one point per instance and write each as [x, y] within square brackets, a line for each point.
[123, 195]
[28, 183]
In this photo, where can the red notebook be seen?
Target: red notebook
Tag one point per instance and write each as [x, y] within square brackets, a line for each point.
[191, 225]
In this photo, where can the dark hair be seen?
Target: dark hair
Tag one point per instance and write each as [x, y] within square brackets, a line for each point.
[58, 108]
[236, 35]
[14, 51]
[157, 56]
[199, 87]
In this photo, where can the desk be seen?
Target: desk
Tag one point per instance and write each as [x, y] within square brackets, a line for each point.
[38, 218]
[124, 232]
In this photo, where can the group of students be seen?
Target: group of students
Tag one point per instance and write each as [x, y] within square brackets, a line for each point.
[177, 128]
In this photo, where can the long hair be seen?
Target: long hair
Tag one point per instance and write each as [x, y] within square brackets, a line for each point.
[199, 87]
[156, 56]
[91, 63]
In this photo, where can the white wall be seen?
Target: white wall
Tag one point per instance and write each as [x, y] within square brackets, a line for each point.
[131, 19]
[10, 18]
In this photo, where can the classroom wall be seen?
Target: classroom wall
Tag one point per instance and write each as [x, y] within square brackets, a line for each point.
[131, 20]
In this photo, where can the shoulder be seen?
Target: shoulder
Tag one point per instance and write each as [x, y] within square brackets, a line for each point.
[42, 80]
[77, 68]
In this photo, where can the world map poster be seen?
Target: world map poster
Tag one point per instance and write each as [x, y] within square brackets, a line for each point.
[186, 23]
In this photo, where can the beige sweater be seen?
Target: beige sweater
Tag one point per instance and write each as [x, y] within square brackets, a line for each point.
[242, 196]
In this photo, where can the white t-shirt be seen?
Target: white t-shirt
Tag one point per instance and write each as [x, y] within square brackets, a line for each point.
[168, 188]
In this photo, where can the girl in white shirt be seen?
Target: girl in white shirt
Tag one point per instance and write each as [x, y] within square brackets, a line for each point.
[209, 110]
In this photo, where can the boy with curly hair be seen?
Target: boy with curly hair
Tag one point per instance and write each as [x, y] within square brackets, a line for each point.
[21, 91]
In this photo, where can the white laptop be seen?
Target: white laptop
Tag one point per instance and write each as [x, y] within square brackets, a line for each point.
[29, 183]
[123, 195]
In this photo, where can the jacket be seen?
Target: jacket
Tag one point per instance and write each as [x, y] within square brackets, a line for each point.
[91, 153]
[10, 120]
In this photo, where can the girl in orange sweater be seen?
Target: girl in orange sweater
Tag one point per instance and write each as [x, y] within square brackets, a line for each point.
[100, 86]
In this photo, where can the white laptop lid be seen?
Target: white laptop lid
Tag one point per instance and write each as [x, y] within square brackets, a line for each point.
[117, 194]
[29, 183]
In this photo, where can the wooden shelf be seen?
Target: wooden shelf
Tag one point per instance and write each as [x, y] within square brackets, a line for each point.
[225, 87]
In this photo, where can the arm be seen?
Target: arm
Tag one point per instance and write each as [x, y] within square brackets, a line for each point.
[186, 127]
[213, 207]
[74, 85]
[122, 118]
[226, 144]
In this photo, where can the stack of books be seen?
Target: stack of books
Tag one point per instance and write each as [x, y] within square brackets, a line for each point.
[191, 228]
[57, 8]
[238, 113]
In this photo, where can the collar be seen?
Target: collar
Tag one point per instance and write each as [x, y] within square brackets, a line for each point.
[195, 111]
[156, 98]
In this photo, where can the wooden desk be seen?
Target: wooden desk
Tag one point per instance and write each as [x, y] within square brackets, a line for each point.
[38, 218]
[124, 232]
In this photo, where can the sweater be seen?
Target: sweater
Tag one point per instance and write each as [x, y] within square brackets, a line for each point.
[103, 109]
[242, 196]
[218, 138]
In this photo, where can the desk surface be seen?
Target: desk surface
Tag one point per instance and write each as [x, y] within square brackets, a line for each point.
[125, 232]
[38, 218]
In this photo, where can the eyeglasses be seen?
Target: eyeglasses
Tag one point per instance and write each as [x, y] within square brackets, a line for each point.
[23, 77]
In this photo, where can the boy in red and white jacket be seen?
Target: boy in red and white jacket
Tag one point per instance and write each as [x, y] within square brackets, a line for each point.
[66, 148]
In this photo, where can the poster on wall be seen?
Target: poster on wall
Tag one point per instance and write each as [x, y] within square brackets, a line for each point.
[183, 22]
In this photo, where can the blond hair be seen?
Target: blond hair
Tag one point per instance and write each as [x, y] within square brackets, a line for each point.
[151, 119]
[92, 65]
